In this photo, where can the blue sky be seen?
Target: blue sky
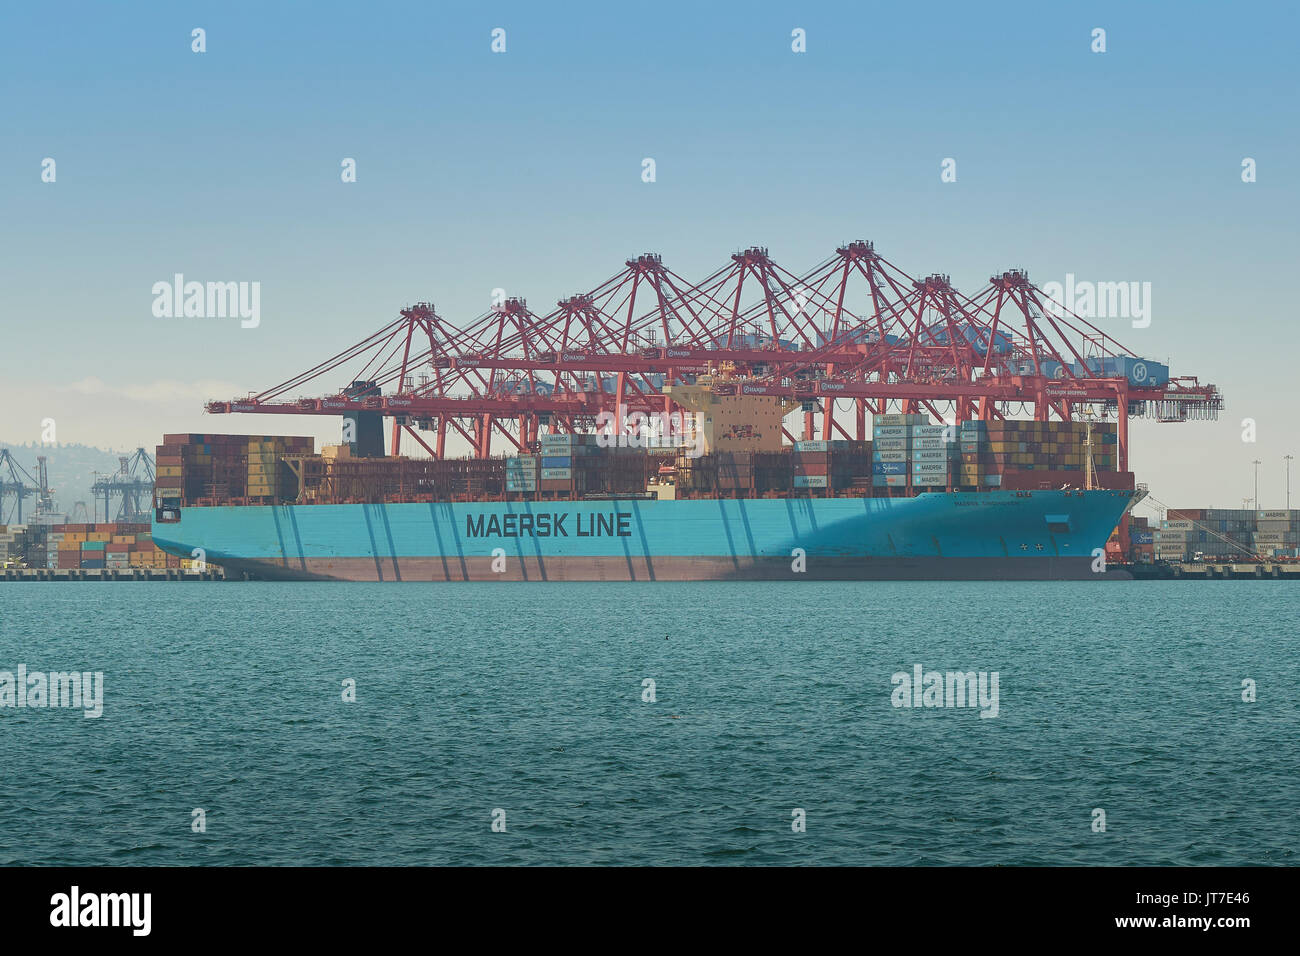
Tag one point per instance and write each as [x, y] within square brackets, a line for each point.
[522, 171]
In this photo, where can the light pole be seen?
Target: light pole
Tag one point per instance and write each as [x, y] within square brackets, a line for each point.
[1287, 459]
[1256, 463]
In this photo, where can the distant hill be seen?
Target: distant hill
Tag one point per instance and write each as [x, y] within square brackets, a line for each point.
[71, 471]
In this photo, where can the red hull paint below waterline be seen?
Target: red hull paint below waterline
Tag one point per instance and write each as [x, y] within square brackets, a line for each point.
[670, 569]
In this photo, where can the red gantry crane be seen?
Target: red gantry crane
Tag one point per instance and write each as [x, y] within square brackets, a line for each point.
[851, 336]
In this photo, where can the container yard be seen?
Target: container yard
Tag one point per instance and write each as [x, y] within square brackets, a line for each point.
[101, 551]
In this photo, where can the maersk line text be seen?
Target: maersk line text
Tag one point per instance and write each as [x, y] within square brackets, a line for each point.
[549, 525]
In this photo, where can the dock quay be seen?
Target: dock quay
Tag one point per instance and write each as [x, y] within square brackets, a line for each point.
[1216, 571]
[212, 573]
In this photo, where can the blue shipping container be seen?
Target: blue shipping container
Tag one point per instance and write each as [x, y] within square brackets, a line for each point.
[1138, 371]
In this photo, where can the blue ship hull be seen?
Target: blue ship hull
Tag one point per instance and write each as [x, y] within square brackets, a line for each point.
[993, 535]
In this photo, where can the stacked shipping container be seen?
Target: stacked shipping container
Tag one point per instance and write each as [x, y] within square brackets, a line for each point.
[1227, 534]
[891, 449]
[12, 543]
[105, 545]
[576, 465]
[908, 453]
[190, 467]
[998, 454]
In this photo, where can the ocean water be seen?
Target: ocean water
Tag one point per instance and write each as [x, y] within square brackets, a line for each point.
[528, 699]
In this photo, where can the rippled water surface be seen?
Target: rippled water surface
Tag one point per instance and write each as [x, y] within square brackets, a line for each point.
[1122, 696]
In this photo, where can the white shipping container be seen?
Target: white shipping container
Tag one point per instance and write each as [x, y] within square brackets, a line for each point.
[1273, 525]
[897, 418]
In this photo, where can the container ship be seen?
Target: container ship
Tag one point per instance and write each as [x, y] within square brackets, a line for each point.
[654, 433]
[919, 500]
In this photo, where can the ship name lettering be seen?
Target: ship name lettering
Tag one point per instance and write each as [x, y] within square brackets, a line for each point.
[548, 525]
